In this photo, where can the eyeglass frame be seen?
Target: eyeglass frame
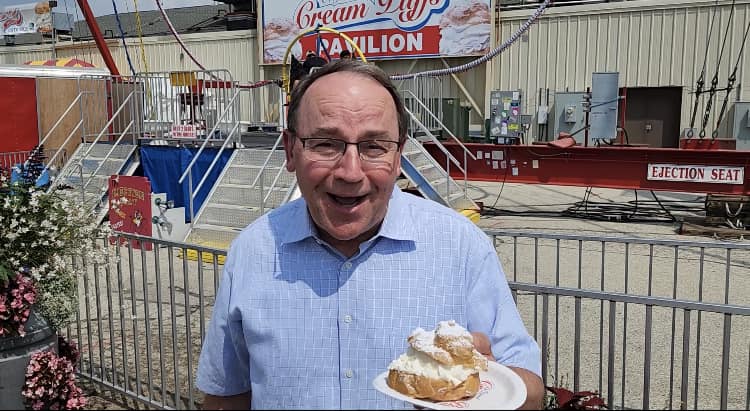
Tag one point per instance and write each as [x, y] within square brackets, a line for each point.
[399, 144]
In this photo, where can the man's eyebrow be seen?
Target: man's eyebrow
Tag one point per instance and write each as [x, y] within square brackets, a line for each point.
[334, 132]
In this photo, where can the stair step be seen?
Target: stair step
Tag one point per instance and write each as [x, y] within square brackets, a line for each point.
[229, 216]
[259, 157]
[212, 236]
[100, 150]
[247, 196]
[246, 175]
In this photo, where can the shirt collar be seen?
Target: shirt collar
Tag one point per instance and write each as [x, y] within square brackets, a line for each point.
[299, 226]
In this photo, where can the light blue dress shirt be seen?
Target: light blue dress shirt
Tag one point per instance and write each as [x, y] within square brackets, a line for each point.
[302, 326]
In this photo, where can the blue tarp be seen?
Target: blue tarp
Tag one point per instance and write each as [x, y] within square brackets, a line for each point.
[164, 165]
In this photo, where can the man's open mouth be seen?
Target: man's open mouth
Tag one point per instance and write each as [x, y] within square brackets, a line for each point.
[347, 201]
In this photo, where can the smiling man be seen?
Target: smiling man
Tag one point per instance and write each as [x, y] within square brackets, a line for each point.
[318, 296]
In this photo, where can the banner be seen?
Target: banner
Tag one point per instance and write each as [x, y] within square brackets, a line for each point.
[381, 28]
[130, 207]
[26, 18]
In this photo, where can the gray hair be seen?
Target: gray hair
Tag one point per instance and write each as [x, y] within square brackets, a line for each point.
[347, 66]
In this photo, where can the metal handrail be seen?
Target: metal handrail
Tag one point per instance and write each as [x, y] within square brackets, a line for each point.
[213, 163]
[109, 123]
[273, 184]
[437, 142]
[229, 105]
[60, 119]
[440, 123]
[106, 157]
[268, 159]
[67, 139]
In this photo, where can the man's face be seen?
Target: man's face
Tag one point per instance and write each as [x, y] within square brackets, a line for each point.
[347, 198]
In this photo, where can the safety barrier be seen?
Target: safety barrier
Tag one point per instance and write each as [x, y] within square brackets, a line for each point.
[647, 323]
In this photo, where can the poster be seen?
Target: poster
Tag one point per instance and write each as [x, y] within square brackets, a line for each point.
[26, 18]
[381, 28]
[130, 207]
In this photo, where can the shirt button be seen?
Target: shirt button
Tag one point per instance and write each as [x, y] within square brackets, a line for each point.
[348, 373]
[347, 265]
[347, 318]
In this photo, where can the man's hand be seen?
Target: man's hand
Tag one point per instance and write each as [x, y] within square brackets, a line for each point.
[235, 402]
[534, 385]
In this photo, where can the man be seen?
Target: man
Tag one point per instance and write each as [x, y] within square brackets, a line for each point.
[345, 54]
[319, 295]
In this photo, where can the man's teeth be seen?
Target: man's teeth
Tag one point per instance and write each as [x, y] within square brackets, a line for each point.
[346, 200]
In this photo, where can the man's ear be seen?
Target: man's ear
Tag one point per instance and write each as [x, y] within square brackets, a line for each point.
[288, 140]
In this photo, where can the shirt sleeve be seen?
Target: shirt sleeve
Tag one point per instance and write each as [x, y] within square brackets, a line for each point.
[492, 310]
[223, 364]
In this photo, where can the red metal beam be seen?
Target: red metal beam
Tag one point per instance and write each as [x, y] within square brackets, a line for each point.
[98, 38]
[607, 167]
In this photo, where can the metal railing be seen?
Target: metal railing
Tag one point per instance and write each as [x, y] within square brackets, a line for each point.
[54, 157]
[647, 323]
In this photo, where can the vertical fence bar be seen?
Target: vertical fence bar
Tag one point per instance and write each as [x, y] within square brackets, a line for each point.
[611, 355]
[685, 359]
[674, 321]
[601, 323]
[123, 330]
[536, 281]
[173, 311]
[201, 301]
[647, 358]
[698, 328]
[728, 273]
[110, 316]
[87, 306]
[160, 324]
[577, 346]
[515, 258]
[100, 333]
[147, 323]
[188, 338]
[625, 327]
[725, 360]
[557, 314]
[134, 319]
[545, 337]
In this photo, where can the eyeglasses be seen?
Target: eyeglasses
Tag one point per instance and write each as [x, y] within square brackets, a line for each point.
[332, 149]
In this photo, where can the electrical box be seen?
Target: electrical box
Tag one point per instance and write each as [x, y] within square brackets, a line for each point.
[568, 116]
[736, 125]
[542, 114]
[605, 98]
[505, 117]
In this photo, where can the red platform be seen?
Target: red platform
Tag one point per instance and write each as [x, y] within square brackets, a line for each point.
[608, 167]
[708, 143]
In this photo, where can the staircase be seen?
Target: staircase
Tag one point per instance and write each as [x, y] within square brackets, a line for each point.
[432, 180]
[253, 182]
[88, 170]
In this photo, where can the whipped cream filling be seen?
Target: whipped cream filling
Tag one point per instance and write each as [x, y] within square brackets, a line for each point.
[417, 363]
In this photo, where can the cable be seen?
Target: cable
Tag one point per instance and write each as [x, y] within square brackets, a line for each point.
[122, 37]
[730, 85]
[177, 37]
[139, 30]
[487, 57]
[702, 77]
[715, 79]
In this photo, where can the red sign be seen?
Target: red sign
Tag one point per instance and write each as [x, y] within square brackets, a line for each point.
[130, 207]
[382, 43]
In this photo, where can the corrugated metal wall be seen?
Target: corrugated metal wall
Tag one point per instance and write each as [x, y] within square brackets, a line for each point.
[651, 43]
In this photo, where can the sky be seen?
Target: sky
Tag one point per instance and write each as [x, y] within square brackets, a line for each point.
[104, 7]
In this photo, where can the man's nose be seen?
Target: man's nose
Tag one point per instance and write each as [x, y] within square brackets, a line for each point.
[349, 167]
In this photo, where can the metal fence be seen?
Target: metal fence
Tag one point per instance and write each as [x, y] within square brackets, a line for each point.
[8, 160]
[649, 324]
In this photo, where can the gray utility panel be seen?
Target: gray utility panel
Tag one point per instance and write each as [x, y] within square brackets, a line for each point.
[605, 97]
[568, 115]
[736, 125]
[505, 116]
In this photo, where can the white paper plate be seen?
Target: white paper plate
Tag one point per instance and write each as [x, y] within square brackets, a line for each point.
[500, 389]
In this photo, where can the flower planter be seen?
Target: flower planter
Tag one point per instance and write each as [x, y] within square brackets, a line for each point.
[15, 354]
